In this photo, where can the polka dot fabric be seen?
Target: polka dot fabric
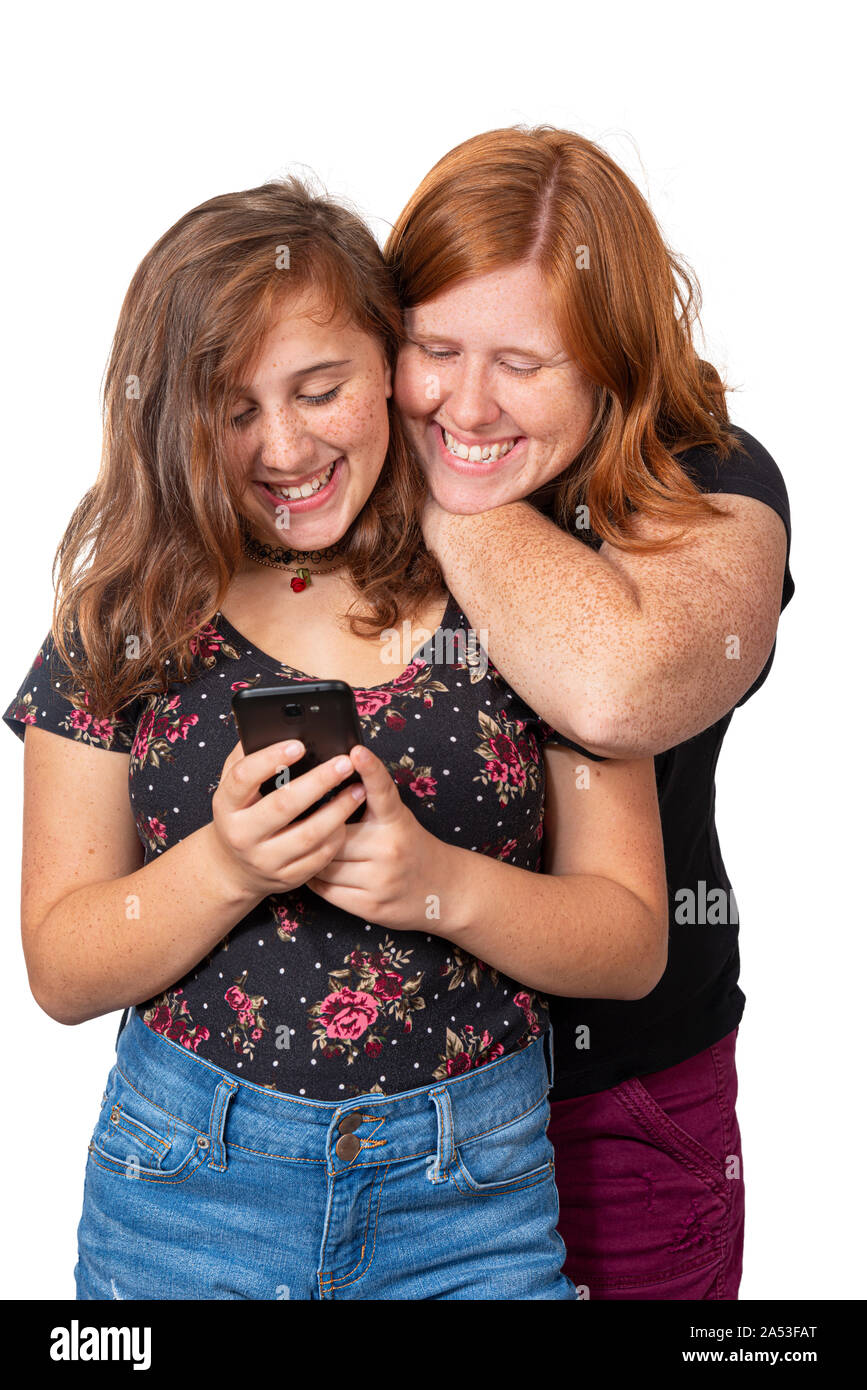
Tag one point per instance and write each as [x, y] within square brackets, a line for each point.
[300, 996]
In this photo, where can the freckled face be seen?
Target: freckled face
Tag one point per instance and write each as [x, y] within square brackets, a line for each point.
[310, 428]
[490, 398]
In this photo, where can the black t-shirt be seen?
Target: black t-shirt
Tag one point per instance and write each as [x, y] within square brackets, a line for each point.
[301, 996]
[600, 1042]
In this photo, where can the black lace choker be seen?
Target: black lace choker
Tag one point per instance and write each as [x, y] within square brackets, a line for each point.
[297, 560]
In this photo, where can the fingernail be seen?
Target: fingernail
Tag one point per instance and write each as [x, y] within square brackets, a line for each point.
[343, 765]
[295, 746]
[357, 793]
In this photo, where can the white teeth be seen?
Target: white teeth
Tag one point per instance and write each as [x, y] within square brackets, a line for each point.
[476, 453]
[306, 489]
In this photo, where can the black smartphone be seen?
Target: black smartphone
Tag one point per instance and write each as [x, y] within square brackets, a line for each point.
[321, 713]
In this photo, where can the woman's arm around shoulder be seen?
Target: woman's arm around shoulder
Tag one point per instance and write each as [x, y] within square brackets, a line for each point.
[627, 654]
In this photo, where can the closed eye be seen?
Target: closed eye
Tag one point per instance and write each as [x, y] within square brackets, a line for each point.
[320, 400]
[443, 354]
[438, 354]
[244, 418]
[520, 371]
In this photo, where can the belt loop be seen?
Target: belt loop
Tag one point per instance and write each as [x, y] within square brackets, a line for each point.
[437, 1167]
[548, 1045]
[222, 1096]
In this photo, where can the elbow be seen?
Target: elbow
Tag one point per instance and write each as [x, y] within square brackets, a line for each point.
[53, 1002]
[50, 992]
[648, 969]
[604, 727]
[57, 1009]
[620, 713]
[603, 717]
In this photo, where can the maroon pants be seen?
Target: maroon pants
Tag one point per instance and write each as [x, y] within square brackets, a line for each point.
[651, 1185]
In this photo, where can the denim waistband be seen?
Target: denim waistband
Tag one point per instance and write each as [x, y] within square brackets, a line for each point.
[431, 1119]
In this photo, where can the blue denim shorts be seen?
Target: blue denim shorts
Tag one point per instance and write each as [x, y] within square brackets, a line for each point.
[201, 1186]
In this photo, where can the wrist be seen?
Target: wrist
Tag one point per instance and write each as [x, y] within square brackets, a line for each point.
[439, 525]
[454, 873]
[231, 887]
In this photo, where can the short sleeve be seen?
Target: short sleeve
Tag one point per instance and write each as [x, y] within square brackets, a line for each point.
[40, 701]
[747, 472]
[552, 735]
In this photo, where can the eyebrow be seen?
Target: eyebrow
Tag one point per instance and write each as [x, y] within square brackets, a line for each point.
[319, 367]
[301, 372]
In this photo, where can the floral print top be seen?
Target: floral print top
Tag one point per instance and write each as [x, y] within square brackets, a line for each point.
[300, 996]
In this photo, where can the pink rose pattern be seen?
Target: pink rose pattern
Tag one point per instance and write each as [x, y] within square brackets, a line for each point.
[160, 728]
[372, 996]
[379, 709]
[297, 982]
[288, 912]
[170, 1015]
[511, 761]
[467, 1050]
[151, 831]
[207, 645]
[248, 1024]
[77, 720]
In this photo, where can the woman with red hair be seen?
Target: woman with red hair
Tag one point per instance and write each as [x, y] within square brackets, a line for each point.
[572, 439]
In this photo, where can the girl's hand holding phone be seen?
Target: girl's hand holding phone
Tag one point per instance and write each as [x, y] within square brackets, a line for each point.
[387, 865]
[260, 841]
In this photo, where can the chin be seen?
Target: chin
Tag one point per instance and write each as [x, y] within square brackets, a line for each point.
[467, 502]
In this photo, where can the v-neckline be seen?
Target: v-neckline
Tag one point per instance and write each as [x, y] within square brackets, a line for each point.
[450, 608]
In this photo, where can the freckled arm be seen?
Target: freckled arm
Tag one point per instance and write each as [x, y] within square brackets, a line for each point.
[626, 654]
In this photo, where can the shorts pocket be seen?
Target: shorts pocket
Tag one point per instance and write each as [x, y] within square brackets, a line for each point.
[668, 1136]
[135, 1138]
[513, 1156]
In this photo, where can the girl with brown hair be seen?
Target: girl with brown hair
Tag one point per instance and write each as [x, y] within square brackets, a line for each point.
[332, 1081]
[571, 435]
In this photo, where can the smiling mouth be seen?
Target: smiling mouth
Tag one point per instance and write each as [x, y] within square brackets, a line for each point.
[305, 489]
[477, 453]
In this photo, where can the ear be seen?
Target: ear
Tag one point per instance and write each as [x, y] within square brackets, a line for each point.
[389, 376]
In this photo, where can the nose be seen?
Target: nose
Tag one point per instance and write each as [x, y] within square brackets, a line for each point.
[470, 403]
[286, 443]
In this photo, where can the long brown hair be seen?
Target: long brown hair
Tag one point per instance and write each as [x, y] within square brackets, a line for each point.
[626, 315]
[153, 545]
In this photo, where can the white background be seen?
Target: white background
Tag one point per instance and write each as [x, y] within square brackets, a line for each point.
[739, 122]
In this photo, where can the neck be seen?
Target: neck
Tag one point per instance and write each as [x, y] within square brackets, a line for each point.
[276, 548]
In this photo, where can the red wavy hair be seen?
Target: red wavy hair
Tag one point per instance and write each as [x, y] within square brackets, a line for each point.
[516, 195]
